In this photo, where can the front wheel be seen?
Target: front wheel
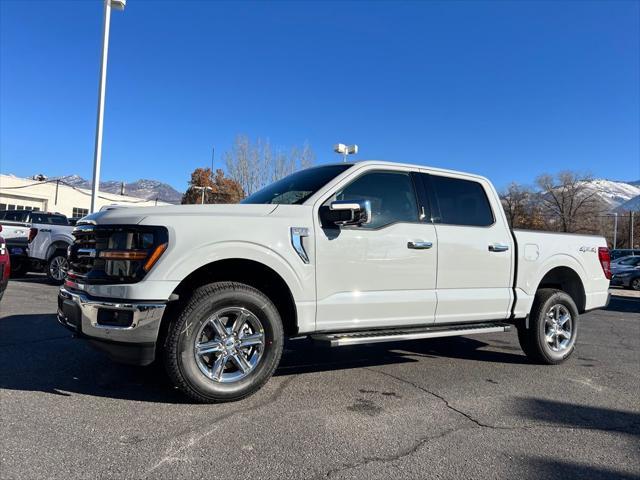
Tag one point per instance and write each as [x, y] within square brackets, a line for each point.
[635, 284]
[57, 267]
[553, 327]
[225, 344]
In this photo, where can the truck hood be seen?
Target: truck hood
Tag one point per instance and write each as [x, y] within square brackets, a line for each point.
[158, 215]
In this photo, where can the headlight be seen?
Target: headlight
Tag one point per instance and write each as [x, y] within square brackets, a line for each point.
[115, 254]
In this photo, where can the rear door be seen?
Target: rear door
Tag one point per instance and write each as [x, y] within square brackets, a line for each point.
[475, 250]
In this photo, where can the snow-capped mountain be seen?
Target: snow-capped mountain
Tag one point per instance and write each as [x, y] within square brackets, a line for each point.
[632, 205]
[613, 194]
[143, 188]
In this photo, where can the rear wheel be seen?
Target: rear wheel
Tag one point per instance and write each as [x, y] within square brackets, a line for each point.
[225, 344]
[57, 267]
[635, 284]
[553, 327]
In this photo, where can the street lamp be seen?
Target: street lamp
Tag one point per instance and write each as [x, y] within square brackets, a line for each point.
[97, 152]
[203, 189]
[345, 150]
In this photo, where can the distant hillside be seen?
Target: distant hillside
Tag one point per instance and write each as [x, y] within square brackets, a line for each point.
[632, 205]
[143, 188]
[613, 194]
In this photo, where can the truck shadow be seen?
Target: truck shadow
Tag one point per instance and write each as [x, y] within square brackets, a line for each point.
[36, 354]
[573, 415]
[550, 469]
[303, 356]
[623, 304]
[38, 278]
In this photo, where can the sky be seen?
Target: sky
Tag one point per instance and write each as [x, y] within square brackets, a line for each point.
[504, 89]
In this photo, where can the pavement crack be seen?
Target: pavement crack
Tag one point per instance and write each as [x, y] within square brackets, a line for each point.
[389, 458]
[442, 399]
[173, 455]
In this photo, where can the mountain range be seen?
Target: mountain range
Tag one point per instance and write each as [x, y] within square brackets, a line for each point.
[143, 188]
[614, 195]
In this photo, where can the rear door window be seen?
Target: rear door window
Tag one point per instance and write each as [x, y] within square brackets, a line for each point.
[462, 202]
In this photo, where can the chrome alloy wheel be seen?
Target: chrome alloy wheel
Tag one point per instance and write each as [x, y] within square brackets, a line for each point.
[558, 328]
[229, 345]
[58, 268]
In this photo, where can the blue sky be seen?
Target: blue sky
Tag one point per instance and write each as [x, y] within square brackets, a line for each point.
[504, 89]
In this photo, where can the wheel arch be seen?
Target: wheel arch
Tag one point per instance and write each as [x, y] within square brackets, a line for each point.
[569, 281]
[55, 246]
[250, 272]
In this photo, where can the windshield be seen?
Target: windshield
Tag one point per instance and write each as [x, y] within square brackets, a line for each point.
[297, 187]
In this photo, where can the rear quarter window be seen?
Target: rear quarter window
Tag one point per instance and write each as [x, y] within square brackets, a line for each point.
[462, 202]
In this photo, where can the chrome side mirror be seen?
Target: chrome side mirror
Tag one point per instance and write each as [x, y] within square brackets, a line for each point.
[350, 212]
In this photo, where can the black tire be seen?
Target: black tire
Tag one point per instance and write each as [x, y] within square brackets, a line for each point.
[179, 345]
[54, 265]
[533, 340]
[635, 284]
[19, 269]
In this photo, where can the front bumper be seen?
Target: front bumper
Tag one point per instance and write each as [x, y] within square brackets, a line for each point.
[134, 343]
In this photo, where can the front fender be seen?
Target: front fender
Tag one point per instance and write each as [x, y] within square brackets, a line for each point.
[177, 267]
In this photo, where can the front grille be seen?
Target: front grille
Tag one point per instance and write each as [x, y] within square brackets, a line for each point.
[89, 240]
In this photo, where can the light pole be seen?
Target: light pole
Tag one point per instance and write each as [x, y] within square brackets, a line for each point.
[97, 151]
[203, 189]
[345, 150]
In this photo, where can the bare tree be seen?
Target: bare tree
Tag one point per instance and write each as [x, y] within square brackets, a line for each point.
[515, 201]
[570, 202]
[522, 207]
[255, 164]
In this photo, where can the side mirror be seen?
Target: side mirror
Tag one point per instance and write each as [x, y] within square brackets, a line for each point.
[347, 212]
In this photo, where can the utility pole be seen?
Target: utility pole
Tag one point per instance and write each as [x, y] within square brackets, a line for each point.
[97, 152]
[615, 229]
[631, 244]
[213, 154]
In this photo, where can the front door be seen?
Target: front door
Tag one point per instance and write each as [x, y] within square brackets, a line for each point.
[382, 274]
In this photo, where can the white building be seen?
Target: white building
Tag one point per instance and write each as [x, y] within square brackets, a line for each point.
[52, 196]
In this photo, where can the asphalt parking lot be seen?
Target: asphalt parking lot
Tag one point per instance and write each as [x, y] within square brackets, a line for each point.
[452, 408]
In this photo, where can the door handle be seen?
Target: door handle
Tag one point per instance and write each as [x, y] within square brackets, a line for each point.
[498, 247]
[419, 245]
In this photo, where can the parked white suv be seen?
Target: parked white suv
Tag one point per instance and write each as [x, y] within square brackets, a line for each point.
[347, 253]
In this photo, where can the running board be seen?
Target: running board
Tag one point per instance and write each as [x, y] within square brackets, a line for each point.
[340, 339]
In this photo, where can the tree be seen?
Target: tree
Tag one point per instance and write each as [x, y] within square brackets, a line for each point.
[569, 201]
[522, 207]
[256, 164]
[515, 201]
[222, 189]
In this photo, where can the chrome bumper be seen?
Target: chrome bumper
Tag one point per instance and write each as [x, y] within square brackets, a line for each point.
[78, 312]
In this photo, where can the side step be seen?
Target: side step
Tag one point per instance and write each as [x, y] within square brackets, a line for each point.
[340, 339]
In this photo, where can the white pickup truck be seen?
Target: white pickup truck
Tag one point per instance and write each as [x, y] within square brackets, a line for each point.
[346, 254]
[37, 241]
